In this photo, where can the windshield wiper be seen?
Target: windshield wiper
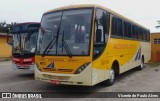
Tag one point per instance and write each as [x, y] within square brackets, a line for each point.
[49, 46]
[51, 43]
[65, 45]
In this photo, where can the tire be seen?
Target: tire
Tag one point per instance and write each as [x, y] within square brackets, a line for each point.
[141, 67]
[111, 79]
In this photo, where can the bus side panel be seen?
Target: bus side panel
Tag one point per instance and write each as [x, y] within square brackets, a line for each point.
[123, 51]
[99, 75]
[146, 51]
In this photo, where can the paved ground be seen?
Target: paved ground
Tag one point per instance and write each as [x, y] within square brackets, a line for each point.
[147, 80]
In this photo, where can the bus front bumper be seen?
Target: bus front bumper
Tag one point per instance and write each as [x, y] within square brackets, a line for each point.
[24, 67]
[84, 78]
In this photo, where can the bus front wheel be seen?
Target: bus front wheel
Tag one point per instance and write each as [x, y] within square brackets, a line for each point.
[111, 79]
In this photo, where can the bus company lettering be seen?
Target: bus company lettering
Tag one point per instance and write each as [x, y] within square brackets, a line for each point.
[50, 59]
[124, 46]
[56, 59]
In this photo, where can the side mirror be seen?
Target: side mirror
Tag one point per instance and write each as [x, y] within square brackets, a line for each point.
[98, 35]
[9, 38]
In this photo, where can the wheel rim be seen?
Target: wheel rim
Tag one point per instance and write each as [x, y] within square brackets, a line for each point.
[142, 64]
[112, 75]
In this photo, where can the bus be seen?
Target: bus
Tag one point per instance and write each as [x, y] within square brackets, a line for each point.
[24, 44]
[88, 44]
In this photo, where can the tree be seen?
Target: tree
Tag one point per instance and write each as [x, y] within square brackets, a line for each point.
[2, 23]
[4, 27]
[158, 24]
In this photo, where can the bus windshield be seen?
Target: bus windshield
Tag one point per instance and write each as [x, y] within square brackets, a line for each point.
[24, 42]
[65, 33]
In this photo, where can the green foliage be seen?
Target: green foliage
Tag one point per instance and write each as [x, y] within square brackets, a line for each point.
[4, 27]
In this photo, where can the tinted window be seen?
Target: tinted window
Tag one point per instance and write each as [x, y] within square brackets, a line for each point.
[140, 33]
[148, 36]
[144, 35]
[127, 29]
[117, 27]
[134, 32]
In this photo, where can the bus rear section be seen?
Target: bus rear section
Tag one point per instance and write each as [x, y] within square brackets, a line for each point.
[24, 45]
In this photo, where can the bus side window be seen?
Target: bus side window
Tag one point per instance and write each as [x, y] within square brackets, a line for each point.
[101, 31]
[98, 35]
[134, 32]
[148, 35]
[140, 34]
[127, 29]
[117, 29]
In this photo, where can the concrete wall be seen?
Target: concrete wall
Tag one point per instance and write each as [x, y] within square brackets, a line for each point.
[155, 48]
[5, 49]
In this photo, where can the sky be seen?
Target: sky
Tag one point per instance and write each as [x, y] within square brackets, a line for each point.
[144, 12]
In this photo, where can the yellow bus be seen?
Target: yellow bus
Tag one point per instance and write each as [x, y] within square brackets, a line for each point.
[88, 44]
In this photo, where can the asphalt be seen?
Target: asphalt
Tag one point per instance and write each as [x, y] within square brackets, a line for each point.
[147, 80]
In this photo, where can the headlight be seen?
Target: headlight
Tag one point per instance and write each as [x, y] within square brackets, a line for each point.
[81, 68]
[38, 67]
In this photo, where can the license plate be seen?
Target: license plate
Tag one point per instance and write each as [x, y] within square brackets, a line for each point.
[23, 67]
[57, 82]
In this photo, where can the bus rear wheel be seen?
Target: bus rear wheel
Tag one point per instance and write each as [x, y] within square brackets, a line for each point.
[142, 64]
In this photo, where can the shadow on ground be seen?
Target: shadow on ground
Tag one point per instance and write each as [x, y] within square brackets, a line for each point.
[68, 88]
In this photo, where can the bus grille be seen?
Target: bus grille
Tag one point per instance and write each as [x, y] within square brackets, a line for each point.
[58, 70]
[56, 77]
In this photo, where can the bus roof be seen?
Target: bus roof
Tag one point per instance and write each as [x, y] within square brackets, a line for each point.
[23, 27]
[27, 23]
[94, 6]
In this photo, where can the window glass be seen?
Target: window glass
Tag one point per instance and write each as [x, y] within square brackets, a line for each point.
[65, 32]
[102, 26]
[148, 36]
[102, 23]
[156, 41]
[127, 29]
[117, 27]
[140, 34]
[134, 32]
[144, 35]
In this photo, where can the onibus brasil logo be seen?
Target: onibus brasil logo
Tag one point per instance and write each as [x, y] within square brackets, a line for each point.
[21, 95]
